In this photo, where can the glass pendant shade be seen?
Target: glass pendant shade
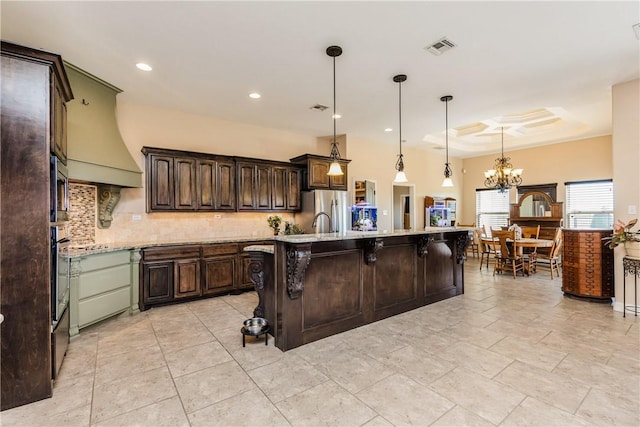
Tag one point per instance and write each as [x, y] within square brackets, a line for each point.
[334, 169]
[400, 177]
[447, 182]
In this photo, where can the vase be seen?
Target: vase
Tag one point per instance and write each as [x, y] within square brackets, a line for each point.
[632, 248]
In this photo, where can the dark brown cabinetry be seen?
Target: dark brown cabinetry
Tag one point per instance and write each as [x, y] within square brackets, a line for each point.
[254, 186]
[34, 90]
[215, 185]
[176, 272]
[315, 173]
[587, 264]
[286, 188]
[187, 181]
[59, 120]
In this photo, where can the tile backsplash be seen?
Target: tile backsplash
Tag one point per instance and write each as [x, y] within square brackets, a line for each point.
[82, 214]
[132, 225]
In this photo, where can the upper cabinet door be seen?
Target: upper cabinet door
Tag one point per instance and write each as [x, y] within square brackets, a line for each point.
[263, 187]
[225, 185]
[206, 184]
[58, 124]
[318, 177]
[293, 186]
[246, 182]
[160, 191]
[279, 188]
[185, 183]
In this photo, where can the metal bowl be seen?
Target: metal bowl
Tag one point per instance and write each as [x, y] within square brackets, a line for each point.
[255, 325]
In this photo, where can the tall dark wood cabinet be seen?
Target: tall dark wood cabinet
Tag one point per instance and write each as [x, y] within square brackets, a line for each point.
[587, 264]
[34, 89]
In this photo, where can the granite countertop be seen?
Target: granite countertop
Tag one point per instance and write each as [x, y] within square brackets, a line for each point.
[80, 251]
[351, 235]
[77, 252]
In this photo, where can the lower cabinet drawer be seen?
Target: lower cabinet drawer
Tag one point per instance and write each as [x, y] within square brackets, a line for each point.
[100, 281]
[102, 306]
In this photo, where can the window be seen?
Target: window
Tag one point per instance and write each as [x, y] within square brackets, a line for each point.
[492, 209]
[589, 204]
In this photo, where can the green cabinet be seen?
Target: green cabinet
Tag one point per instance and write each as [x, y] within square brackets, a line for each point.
[102, 285]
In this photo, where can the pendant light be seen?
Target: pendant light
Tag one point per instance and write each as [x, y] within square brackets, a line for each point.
[334, 168]
[447, 182]
[400, 175]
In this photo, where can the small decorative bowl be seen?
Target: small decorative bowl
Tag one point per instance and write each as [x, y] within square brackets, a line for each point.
[255, 325]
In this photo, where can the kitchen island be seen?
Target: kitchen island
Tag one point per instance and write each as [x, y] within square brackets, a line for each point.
[314, 286]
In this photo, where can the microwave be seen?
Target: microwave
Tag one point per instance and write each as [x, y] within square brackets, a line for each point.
[59, 204]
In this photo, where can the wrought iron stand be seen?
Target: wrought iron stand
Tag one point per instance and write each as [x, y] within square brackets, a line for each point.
[631, 266]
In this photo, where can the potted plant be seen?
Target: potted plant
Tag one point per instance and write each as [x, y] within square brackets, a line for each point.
[274, 222]
[622, 235]
[292, 228]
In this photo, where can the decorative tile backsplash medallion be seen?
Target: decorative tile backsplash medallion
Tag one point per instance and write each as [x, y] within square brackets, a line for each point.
[82, 214]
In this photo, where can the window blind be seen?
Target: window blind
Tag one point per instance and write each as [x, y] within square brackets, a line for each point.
[589, 204]
[492, 209]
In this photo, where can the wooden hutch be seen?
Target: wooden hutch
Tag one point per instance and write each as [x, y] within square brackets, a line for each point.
[537, 208]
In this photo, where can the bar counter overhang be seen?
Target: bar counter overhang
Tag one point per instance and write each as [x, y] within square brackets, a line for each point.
[314, 286]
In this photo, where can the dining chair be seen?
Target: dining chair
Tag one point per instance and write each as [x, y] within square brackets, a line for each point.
[487, 248]
[530, 254]
[474, 246]
[507, 257]
[552, 260]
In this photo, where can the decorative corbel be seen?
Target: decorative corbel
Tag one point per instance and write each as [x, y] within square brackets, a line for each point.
[423, 245]
[256, 274]
[298, 258]
[370, 249]
[108, 198]
[462, 241]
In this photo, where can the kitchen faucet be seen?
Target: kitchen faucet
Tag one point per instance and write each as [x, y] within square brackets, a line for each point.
[315, 220]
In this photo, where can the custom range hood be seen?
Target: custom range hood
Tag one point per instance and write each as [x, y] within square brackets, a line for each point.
[96, 153]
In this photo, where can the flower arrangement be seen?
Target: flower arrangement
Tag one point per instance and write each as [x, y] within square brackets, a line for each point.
[274, 222]
[622, 233]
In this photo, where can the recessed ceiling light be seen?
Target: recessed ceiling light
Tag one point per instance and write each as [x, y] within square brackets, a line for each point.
[388, 130]
[144, 67]
[336, 116]
[254, 95]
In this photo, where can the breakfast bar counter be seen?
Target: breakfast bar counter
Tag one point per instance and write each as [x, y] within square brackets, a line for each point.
[314, 286]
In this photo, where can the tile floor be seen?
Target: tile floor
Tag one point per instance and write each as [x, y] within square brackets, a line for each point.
[507, 352]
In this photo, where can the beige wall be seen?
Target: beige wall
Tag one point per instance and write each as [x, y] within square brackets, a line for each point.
[149, 126]
[626, 168]
[581, 160]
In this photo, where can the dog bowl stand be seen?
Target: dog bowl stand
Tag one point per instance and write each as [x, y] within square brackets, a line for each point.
[264, 331]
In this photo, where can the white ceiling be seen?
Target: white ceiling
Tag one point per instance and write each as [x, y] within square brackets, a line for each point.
[511, 58]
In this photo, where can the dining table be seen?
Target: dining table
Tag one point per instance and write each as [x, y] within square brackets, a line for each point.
[523, 242]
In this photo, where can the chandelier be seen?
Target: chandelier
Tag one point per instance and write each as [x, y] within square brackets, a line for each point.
[503, 176]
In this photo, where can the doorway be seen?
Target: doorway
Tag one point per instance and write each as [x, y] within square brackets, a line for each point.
[403, 213]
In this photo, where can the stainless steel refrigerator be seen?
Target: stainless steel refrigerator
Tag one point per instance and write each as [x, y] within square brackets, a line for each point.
[329, 209]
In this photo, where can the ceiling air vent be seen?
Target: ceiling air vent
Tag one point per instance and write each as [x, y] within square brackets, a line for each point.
[442, 45]
[318, 107]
